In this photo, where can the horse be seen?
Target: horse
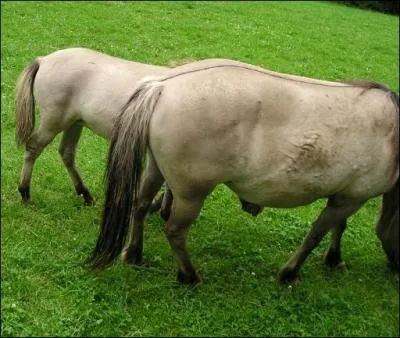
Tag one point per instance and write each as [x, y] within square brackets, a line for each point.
[74, 88]
[276, 140]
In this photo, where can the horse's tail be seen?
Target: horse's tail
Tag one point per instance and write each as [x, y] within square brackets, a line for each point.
[25, 104]
[129, 142]
[387, 227]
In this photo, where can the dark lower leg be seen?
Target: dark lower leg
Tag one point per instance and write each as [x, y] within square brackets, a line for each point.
[67, 151]
[289, 272]
[183, 213]
[332, 216]
[133, 253]
[333, 255]
[151, 183]
[34, 147]
[177, 239]
[81, 190]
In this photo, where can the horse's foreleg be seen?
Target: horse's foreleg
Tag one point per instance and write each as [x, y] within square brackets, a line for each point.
[332, 216]
[67, 151]
[35, 145]
[150, 184]
[333, 257]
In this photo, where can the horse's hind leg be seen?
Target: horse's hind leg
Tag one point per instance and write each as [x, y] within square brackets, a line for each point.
[67, 151]
[39, 139]
[149, 186]
[333, 257]
[184, 211]
[332, 216]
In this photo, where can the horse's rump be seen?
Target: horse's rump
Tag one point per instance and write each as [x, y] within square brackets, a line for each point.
[83, 84]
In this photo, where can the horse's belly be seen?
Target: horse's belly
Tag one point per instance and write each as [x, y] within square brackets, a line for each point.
[270, 195]
[100, 124]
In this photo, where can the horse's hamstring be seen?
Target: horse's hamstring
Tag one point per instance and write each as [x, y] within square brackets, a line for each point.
[333, 216]
[183, 213]
[67, 152]
[150, 185]
[39, 139]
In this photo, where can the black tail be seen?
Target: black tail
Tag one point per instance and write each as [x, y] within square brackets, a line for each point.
[127, 151]
[387, 228]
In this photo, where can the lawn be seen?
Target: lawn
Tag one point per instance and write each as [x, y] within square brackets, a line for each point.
[45, 291]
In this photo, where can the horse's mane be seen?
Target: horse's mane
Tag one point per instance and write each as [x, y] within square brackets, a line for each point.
[375, 85]
[352, 83]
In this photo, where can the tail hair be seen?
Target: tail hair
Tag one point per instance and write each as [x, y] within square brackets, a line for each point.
[387, 227]
[25, 103]
[129, 142]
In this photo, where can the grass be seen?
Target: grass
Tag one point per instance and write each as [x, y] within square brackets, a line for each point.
[46, 292]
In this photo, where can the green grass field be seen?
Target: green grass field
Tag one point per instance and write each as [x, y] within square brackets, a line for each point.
[46, 291]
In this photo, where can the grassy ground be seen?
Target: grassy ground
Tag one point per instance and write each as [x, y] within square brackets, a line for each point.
[45, 290]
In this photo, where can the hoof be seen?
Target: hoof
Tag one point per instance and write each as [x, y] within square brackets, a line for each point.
[192, 280]
[287, 275]
[25, 195]
[89, 201]
[333, 260]
[87, 196]
[26, 202]
[132, 256]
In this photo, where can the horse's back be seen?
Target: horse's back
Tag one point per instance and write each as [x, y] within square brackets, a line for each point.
[275, 141]
[80, 83]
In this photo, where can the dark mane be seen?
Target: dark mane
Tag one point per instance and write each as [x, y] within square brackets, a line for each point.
[375, 85]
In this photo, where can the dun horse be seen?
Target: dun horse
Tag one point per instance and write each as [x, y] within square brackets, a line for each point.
[73, 88]
[274, 139]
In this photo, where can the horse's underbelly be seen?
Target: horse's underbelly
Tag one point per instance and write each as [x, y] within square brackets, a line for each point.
[269, 195]
[100, 121]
